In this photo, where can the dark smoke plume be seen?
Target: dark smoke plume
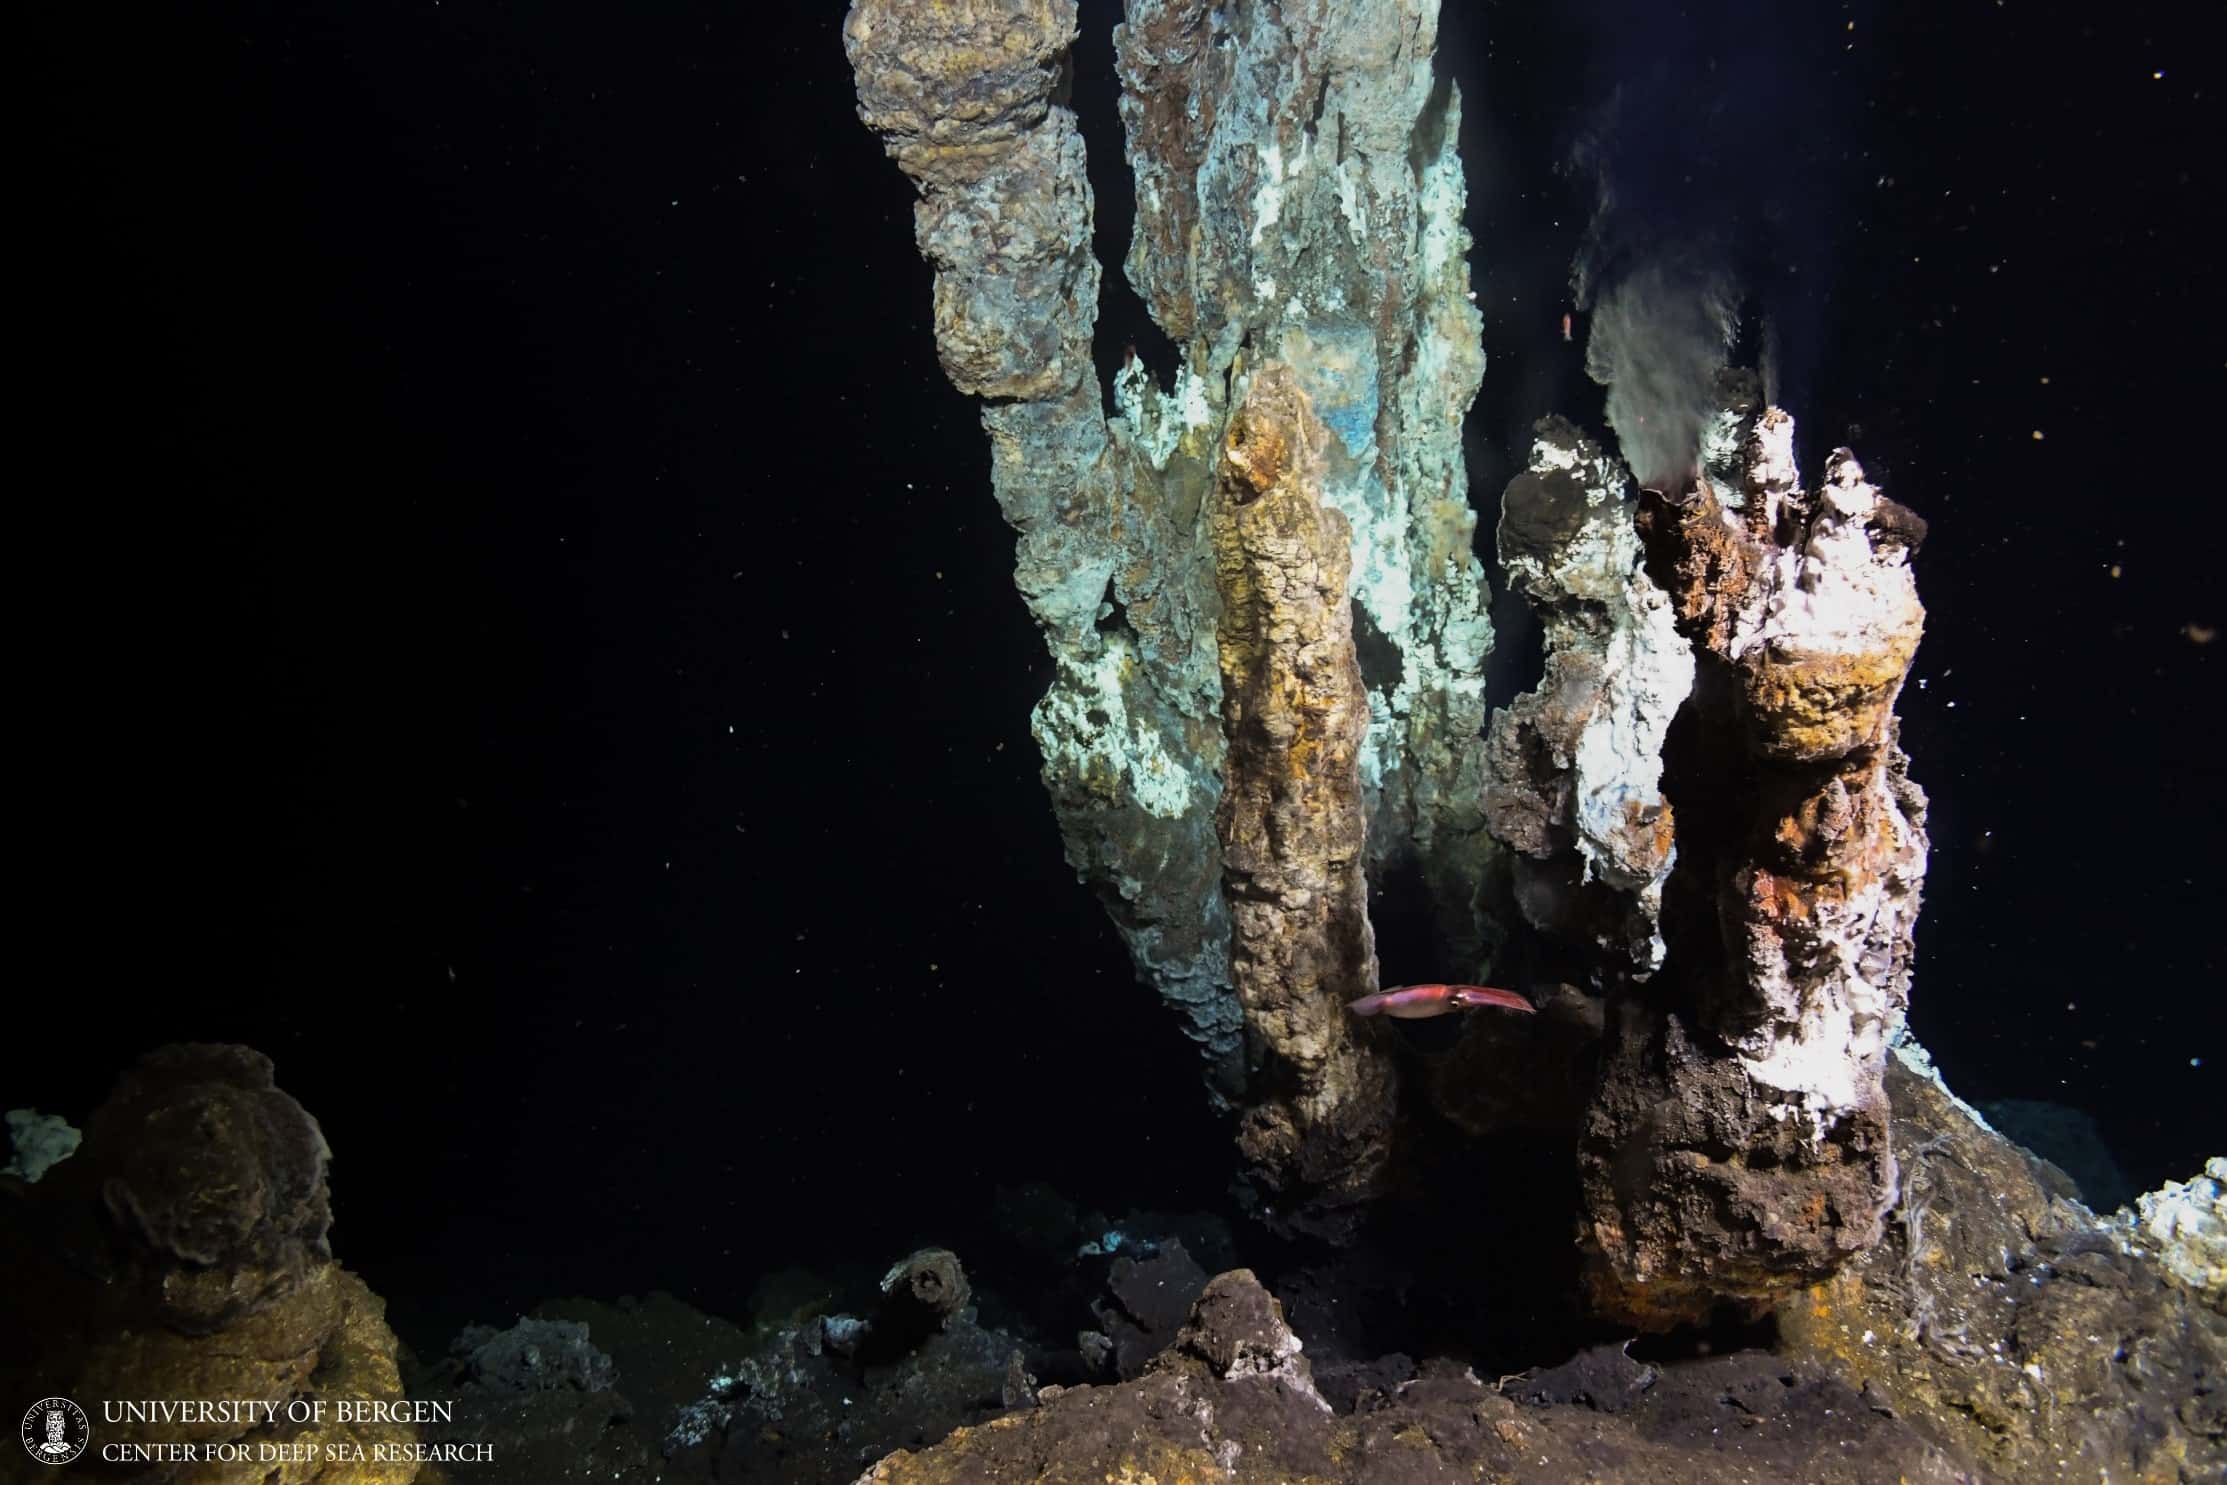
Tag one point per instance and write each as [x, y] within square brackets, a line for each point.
[1660, 333]
[1713, 156]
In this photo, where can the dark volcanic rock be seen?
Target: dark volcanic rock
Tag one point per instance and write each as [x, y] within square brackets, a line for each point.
[1604, 1378]
[1233, 1402]
[931, 1281]
[700, 1399]
[546, 1436]
[922, 1293]
[807, 1418]
[534, 1356]
[1237, 1328]
[1150, 1299]
[1349, 1386]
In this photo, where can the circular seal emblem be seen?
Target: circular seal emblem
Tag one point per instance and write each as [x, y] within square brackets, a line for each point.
[56, 1431]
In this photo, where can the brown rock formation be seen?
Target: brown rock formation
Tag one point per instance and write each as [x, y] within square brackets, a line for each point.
[182, 1254]
[923, 1292]
[1233, 1400]
[1291, 822]
[1737, 1148]
[2007, 1320]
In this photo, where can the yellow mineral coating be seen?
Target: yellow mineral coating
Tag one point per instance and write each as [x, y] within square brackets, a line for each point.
[355, 1363]
[354, 1359]
[265, 1357]
[1824, 705]
[961, 1459]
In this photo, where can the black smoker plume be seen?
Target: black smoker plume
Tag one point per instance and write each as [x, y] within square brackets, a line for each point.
[1721, 139]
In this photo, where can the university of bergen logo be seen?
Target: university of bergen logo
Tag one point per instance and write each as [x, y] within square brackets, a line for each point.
[56, 1431]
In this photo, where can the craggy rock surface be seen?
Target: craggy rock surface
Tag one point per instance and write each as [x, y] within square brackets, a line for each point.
[1737, 1146]
[2185, 1224]
[1298, 188]
[215, 1179]
[533, 1356]
[1603, 1378]
[182, 1253]
[2025, 1341]
[1147, 1300]
[539, 1398]
[1317, 1132]
[1575, 765]
[1529, 1073]
[1299, 201]
[924, 1291]
[2000, 1332]
[2011, 1323]
[651, 1390]
[1234, 1400]
[966, 97]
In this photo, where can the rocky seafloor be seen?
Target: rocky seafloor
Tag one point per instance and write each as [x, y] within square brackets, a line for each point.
[2000, 1332]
